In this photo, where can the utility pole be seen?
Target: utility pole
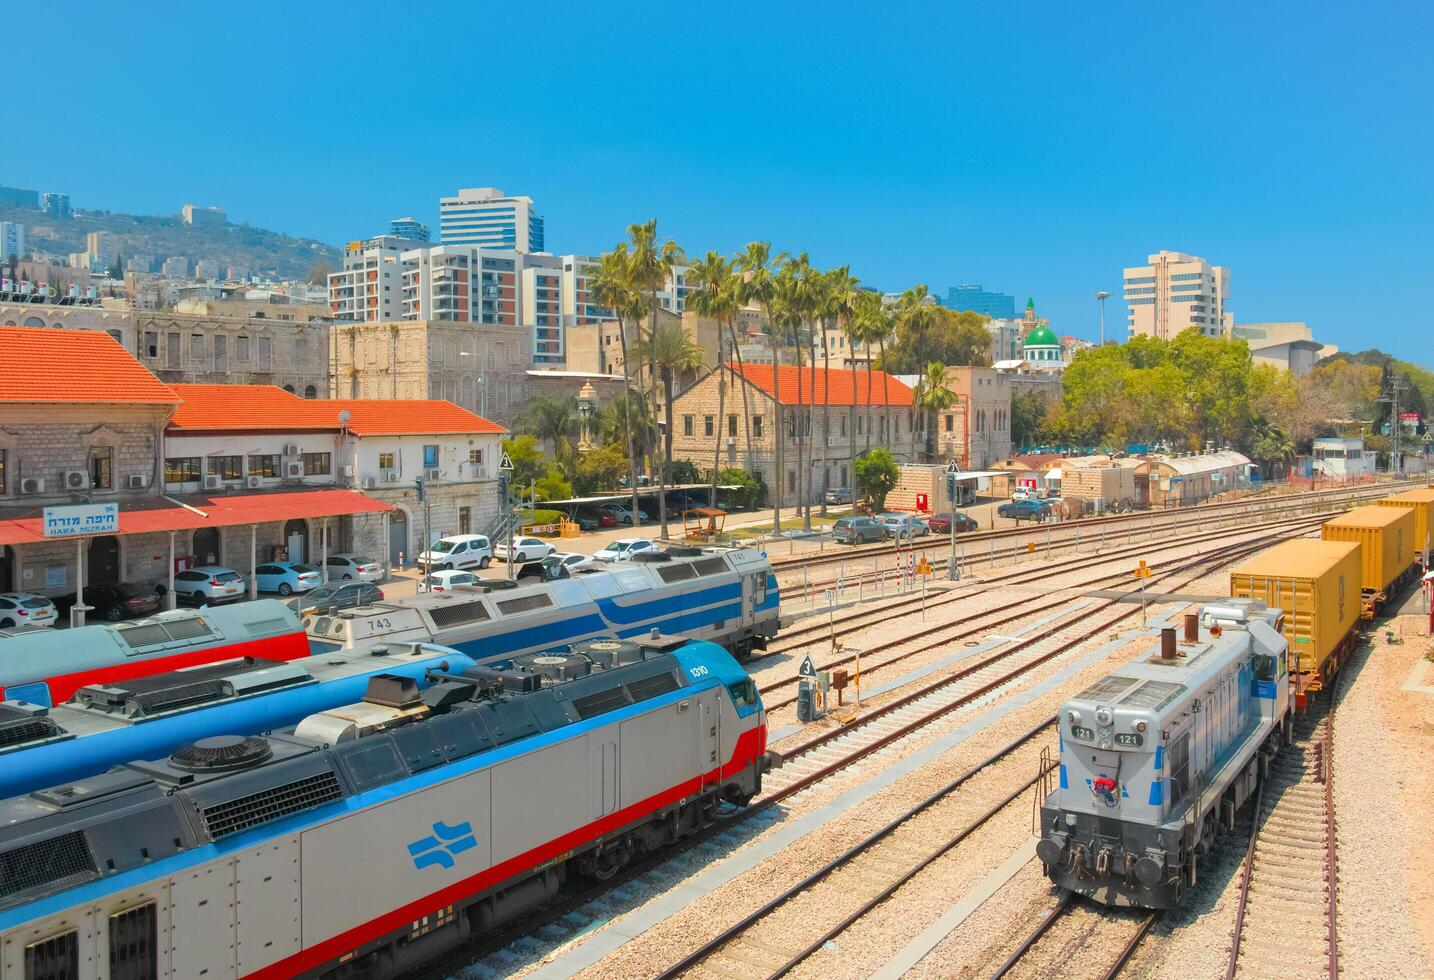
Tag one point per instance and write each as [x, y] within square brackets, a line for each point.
[1102, 295]
[1396, 388]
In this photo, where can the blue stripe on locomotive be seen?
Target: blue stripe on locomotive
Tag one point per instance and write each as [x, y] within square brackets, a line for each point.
[699, 653]
[58, 762]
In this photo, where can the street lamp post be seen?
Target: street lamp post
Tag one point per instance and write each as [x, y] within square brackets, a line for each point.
[1102, 296]
[587, 400]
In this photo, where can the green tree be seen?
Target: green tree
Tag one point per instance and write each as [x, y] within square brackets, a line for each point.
[758, 288]
[649, 268]
[718, 294]
[529, 462]
[951, 338]
[876, 475]
[600, 469]
[1028, 419]
[611, 287]
[684, 471]
[624, 419]
[871, 324]
[917, 315]
[552, 486]
[673, 353]
[551, 419]
[753, 491]
[838, 299]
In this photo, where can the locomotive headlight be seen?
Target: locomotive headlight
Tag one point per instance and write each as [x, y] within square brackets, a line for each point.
[1140, 726]
[1073, 717]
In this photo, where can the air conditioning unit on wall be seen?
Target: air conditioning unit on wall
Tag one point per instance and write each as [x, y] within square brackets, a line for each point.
[213, 483]
[76, 479]
[255, 482]
[294, 471]
[32, 484]
[136, 481]
[291, 449]
[431, 475]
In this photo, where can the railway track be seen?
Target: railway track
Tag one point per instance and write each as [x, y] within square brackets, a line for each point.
[1068, 532]
[870, 874]
[941, 635]
[1285, 915]
[1066, 907]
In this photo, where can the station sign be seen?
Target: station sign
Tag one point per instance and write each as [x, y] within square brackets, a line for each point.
[79, 520]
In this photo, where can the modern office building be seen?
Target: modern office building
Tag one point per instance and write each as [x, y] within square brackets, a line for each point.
[12, 240]
[369, 288]
[410, 228]
[1174, 293]
[102, 250]
[486, 217]
[54, 203]
[19, 197]
[980, 300]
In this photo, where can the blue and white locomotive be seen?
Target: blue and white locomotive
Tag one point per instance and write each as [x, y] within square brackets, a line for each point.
[372, 837]
[1157, 756]
[726, 595]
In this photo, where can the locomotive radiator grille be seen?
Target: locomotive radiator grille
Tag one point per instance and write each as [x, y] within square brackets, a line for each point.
[47, 865]
[29, 730]
[231, 817]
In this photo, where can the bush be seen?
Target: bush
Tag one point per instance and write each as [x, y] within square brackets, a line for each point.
[684, 471]
[877, 475]
[753, 491]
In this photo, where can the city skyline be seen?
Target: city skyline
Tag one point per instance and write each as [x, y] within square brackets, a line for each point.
[1043, 170]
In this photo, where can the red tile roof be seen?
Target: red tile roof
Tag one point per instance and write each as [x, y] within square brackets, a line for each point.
[204, 510]
[209, 408]
[39, 364]
[834, 387]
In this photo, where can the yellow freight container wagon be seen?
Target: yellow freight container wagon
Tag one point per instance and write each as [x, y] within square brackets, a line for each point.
[1422, 503]
[1317, 584]
[1387, 534]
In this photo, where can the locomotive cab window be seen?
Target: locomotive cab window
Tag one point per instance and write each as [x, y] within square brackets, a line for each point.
[744, 693]
[1264, 667]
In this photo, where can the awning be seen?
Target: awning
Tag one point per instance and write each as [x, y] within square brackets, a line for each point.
[188, 513]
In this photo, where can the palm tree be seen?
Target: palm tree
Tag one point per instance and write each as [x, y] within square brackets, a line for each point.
[611, 288]
[839, 288]
[934, 397]
[550, 419]
[674, 353]
[718, 295]
[786, 310]
[917, 312]
[758, 287]
[873, 323]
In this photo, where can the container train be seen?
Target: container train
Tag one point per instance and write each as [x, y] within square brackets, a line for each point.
[371, 837]
[108, 723]
[47, 667]
[727, 596]
[1156, 757]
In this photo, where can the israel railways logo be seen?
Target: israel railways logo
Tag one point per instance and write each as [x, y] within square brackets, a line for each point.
[440, 846]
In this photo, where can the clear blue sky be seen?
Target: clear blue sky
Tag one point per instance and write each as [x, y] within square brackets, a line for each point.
[1036, 148]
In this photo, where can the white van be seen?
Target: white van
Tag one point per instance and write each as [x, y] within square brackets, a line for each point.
[458, 551]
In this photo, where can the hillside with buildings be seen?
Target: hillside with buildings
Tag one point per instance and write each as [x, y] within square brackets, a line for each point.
[206, 245]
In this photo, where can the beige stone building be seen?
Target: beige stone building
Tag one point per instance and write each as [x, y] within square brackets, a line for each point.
[1289, 346]
[976, 430]
[831, 442]
[198, 349]
[1175, 292]
[480, 367]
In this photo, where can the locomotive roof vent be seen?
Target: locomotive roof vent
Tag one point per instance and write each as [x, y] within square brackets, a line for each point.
[221, 753]
[393, 691]
[608, 653]
[557, 667]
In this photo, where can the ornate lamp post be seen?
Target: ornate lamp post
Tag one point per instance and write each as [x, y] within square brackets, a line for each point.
[587, 402]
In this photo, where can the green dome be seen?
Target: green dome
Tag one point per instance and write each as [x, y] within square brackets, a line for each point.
[1042, 336]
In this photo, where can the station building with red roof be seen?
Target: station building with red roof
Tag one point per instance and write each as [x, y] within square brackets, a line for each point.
[214, 474]
[835, 409]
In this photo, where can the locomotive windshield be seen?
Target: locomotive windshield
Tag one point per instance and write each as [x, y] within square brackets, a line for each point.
[1264, 667]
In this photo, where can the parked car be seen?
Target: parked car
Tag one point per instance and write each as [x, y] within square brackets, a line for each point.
[1025, 493]
[332, 598]
[1033, 510]
[623, 549]
[905, 526]
[346, 567]
[855, 530]
[573, 562]
[840, 495]
[606, 517]
[26, 609]
[458, 551]
[287, 577]
[211, 584]
[941, 523]
[524, 549]
[623, 513]
[114, 602]
[444, 581]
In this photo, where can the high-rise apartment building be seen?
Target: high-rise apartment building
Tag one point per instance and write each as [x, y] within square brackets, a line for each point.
[485, 217]
[102, 249]
[205, 217]
[12, 240]
[979, 300]
[175, 267]
[369, 289]
[56, 204]
[1176, 292]
[409, 228]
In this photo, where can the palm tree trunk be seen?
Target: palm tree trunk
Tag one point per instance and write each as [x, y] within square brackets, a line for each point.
[885, 387]
[779, 435]
[721, 423]
[870, 381]
[665, 477]
[826, 419]
[746, 398]
[627, 417]
[802, 505]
